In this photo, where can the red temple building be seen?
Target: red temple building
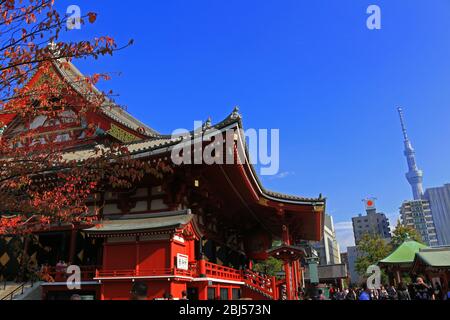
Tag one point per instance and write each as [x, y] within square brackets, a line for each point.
[198, 229]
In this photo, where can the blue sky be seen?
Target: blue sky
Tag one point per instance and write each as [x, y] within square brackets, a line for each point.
[310, 68]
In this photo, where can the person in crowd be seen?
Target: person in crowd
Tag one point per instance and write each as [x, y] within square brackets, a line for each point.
[341, 294]
[422, 290]
[382, 293]
[392, 292]
[44, 274]
[366, 293]
[60, 270]
[184, 295]
[139, 291]
[402, 292]
[75, 297]
[351, 295]
[411, 290]
[332, 292]
[374, 295]
[438, 294]
[447, 295]
[321, 295]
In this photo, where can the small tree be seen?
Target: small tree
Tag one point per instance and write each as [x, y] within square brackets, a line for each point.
[403, 233]
[371, 249]
[270, 266]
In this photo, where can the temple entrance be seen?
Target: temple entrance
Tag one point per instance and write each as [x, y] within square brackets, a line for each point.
[54, 247]
[192, 293]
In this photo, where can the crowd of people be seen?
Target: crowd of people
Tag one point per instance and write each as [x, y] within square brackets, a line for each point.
[420, 290]
[139, 291]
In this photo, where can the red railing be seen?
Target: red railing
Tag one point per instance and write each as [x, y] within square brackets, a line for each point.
[59, 274]
[264, 284]
[213, 270]
[164, 272]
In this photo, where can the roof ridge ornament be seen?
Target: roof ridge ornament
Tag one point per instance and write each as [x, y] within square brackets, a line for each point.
[207, 124]
[235, 114]
[53, 48]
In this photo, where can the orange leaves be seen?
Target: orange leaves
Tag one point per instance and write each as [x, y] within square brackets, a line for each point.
[36, 183]
[92, 17]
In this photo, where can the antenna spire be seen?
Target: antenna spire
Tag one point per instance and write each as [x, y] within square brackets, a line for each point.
[402, 121]
[414, 174]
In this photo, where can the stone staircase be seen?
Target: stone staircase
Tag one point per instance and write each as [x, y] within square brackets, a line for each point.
[7, 289]
[17, 291]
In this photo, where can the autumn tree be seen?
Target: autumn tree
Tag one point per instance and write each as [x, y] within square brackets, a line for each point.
[40, 183]
[403, 233]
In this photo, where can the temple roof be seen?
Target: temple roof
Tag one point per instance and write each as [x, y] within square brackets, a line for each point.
[160, 144]
[434, 257]
[404, 254]
[141, 223]
[72, 75]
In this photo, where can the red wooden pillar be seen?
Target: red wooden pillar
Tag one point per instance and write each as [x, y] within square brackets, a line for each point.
[287, 264]
[274, 288]
[287, 273]
[202, 268]
[203, 291]
[295, 279]
[285, 235]
[138, 257]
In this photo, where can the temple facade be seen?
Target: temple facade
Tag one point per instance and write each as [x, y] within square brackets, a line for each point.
[197, 228]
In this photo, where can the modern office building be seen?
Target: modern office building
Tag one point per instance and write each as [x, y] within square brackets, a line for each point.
[374, 223]
[439, 199]
[417, 214]
[352, 255]
[328, 248]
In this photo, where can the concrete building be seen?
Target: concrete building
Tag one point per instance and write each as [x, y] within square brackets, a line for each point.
[374, 223]
[328, 249]
[344, 258]
[417, 214]
[439, 199]
[352, 255]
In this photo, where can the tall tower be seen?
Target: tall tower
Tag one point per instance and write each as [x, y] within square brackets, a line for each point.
[414, 175]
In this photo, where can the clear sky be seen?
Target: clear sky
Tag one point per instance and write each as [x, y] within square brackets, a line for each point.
[310, 68]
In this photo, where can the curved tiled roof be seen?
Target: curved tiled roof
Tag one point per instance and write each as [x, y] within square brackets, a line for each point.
[404, 254]
[162, 142]
[109, 108]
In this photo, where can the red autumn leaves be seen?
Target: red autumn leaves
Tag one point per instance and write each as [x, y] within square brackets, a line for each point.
[43, 117]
